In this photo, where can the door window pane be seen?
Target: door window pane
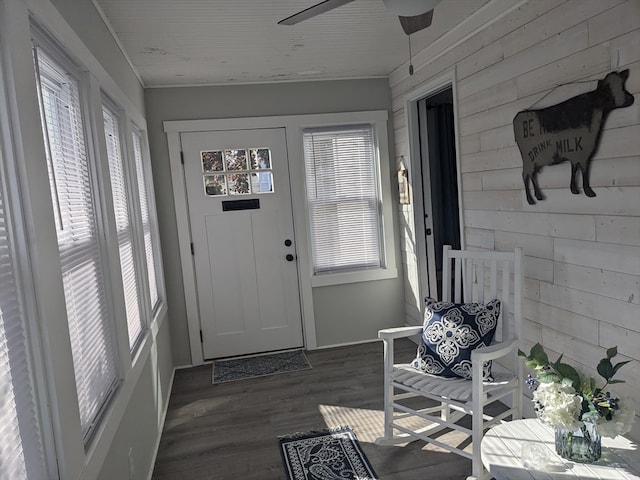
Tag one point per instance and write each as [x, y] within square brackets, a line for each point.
[235, 160]
[260, 159]
[215, 185]
[212, 162]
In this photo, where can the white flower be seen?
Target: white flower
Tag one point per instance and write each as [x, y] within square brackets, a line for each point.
[621, 422]
[561, 405]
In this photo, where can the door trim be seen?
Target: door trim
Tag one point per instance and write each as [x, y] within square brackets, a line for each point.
[184, 242]
[415, 179]
[293, 125]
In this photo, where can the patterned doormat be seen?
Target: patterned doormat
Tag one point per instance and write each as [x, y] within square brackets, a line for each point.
[259, 366]
[324, 454]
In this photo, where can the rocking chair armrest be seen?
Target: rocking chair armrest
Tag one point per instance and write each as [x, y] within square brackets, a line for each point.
[493, 352]
[398, 332]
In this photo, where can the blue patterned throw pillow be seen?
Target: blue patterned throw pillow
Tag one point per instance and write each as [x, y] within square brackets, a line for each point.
[449, 334]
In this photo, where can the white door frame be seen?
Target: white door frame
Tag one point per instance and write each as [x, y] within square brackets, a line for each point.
[293, 125]
[411, 112]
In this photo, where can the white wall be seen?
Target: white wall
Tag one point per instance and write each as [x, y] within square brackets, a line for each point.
[582, 254]
[344, 313]
[90, 27]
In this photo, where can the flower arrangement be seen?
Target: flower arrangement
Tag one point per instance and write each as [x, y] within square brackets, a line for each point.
[566, 400]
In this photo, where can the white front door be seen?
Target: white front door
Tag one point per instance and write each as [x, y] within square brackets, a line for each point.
[239, 202]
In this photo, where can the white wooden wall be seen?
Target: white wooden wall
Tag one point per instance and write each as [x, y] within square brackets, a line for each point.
[582, 254]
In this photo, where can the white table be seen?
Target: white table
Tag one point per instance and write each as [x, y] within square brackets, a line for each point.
[502, 455]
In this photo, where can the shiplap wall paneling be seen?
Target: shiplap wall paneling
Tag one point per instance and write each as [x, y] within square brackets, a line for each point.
[582, 266]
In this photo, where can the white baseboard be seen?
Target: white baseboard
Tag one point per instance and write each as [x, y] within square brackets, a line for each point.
[346, 344]
[183, 367]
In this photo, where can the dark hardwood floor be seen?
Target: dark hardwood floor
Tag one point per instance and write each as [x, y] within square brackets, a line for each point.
[230, 430]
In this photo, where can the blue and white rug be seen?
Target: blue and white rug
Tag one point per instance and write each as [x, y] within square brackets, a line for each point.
[259, 366]
[329, 454]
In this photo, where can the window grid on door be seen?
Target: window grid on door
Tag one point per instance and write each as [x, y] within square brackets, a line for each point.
[237, 171]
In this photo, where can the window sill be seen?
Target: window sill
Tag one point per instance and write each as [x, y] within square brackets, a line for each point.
[353, 277]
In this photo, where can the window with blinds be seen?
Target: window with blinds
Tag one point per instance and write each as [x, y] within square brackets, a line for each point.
[21, 449]
[73, 194]
[144, 191]
[122, 211]
[343, 198]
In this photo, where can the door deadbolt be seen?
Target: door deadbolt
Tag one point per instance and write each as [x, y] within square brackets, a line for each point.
[287, 243]
[289, 257]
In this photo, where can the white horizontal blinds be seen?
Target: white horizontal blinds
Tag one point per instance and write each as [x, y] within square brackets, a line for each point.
[21, 452]
[343, 200]
[92, 340]
[143, 192]
[123, 226]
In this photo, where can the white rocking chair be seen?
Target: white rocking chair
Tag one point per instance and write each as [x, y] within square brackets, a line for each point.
[478, 277]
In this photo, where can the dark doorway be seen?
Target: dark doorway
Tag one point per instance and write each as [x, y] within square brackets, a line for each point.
[439, 176]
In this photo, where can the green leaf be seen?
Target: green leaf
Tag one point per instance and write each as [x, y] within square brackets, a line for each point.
[538, 353]
[612, 352]
[547, 377]
[531, 364]
[522, 354]
[558, 361]
[618, 366]
[567, 371]
[605, 369]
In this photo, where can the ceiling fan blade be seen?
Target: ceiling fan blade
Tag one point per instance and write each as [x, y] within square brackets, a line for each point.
[416, 23]
[312, 11]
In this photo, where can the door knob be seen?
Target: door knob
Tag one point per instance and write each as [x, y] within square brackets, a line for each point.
[287, 243]
[289, 257]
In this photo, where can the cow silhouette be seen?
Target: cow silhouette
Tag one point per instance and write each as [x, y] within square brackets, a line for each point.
[568, 132]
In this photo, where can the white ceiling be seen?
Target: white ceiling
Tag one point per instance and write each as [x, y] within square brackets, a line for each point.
[208, 42]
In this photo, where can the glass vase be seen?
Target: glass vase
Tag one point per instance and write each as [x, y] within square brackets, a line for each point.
[583, 445]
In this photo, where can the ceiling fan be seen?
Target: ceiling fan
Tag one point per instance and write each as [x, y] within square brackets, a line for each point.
[414, 15]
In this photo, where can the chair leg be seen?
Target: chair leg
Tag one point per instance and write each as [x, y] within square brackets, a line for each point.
[445, 413]
[388, 389]
[486, 476]
[477, 468]
[477, 427]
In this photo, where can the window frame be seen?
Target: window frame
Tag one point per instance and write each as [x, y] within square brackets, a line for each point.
[332, 195]
[102, 216]
[387, 270]
[133, 228]
[160, 307]
[23, 277]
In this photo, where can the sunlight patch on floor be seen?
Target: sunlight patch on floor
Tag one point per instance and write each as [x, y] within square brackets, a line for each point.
[198, 408]
[367, 424]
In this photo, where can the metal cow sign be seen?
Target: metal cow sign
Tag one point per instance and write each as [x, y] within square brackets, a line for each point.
[568, 132]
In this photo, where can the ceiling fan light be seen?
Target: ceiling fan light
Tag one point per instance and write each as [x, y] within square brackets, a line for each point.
[409, 8]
